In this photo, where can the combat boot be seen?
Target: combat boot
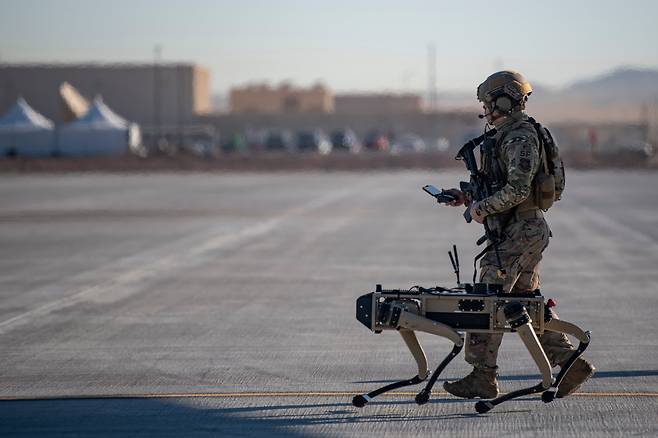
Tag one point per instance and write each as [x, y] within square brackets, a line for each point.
[580, 371]
[481, 382]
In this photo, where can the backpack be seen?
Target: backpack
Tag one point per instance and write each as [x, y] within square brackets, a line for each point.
[550, 179]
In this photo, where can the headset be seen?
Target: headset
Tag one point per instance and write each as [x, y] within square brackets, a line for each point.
[504, 104]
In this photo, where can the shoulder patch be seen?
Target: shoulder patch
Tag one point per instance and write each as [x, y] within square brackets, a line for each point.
[516, 139]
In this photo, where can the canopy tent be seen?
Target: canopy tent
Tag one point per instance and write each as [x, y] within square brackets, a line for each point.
[25, 132]
[99, 132]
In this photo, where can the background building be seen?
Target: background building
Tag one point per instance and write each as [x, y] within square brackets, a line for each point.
[286, 98]
[375, 103]
[150, 94]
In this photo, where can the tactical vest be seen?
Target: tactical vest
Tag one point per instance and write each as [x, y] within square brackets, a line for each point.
[547, 184]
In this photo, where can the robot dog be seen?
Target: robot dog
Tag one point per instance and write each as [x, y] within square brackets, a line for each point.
[467, 308]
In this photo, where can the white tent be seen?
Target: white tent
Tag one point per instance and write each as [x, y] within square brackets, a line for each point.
[99, 132]
[25, 132]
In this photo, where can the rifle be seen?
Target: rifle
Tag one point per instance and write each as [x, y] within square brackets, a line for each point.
[480, 188]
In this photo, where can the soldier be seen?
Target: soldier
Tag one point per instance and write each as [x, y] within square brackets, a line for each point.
[512, 165]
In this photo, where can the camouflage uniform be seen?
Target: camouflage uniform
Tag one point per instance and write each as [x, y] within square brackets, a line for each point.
[524, 238]
[512, 163]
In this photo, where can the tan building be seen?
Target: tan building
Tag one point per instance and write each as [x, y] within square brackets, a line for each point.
[376, 103]
[144, 93]
[264, 99]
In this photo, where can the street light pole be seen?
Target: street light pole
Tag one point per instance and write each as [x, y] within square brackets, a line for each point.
[157, 119]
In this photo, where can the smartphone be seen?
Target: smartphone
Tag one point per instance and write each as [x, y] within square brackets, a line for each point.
[430, 189]
[440, 195]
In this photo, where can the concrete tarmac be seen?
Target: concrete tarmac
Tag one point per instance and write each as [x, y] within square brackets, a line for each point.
[223, 305]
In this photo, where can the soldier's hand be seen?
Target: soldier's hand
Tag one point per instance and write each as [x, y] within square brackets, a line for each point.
[477, 215]
[460, 197]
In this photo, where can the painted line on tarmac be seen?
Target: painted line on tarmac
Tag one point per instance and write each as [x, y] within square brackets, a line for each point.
[132, 280]
[275, 394]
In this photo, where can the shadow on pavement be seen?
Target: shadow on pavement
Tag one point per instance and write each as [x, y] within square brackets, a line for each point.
[130, 417]
[178, 418]
[184, 417]
[345, 413]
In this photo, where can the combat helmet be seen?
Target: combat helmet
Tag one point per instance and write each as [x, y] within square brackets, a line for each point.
[504, 91]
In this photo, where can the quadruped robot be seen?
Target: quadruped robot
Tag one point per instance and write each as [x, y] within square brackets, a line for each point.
[467, 308]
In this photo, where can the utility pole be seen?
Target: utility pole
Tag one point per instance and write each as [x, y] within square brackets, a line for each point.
[431, 78]
[653, 125]
[179, 104]
[157, 110]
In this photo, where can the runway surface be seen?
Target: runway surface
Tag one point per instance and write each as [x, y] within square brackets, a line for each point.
[223, 305]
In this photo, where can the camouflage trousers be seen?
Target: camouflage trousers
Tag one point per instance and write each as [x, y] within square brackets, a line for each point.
[520, 254]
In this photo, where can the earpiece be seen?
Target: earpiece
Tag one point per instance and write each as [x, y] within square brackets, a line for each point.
[503, 103]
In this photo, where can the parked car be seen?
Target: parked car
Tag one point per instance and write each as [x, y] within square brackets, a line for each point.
[313, 141]
[235, 143]
[408, 142]
[255, 139]
[376, 141]
[442, 144]
[279, 140]
[345, 140]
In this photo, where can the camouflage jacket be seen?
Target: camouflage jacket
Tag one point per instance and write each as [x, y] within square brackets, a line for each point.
[517, 147]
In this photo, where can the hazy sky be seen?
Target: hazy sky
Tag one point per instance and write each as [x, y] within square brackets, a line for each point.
[350, 45]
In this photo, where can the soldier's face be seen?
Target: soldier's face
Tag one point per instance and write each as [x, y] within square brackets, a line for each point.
[488, 114]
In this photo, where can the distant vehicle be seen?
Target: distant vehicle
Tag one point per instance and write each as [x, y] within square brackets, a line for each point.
[442, 144]
[313, 141]
[641, 147]
[279, 140]
[255, 139]
[345, 140]
[376, 141]
[408, 142]
[201, 148]
[200, 140]
[235, 143]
